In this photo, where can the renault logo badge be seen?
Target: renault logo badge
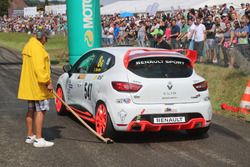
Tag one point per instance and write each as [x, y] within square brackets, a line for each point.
[170, 85]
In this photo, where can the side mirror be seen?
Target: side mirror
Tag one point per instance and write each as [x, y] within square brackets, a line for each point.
[67, 68]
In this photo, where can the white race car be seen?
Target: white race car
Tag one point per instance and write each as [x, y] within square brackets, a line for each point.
[136, 90]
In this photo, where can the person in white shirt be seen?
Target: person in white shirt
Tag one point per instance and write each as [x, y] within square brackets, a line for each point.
[110, 35]
[242, 10]
[190, 34]
[199, 38]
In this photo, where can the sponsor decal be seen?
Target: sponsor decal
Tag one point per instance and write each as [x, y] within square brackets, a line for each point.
[196, 81]
[168, 109]
[98, 77]
[138, 118]
[160, 62]
[123, 100]
[88, 37]
[108, 61]
[150, 62]
[174, 62]
[169, 93]
[70, 86]
[122, 114]
[207, 98]
[82, 76]
[168, 98]
[195, 97]
[88, 23]
[100, 62]
[134, 81]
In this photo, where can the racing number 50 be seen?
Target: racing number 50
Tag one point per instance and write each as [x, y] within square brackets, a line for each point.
[87, 91]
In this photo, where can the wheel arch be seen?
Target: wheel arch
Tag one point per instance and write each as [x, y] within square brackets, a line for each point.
[107, 106]
[63, 89]
[62, 82]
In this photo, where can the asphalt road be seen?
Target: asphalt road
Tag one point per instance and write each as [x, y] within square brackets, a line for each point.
[227, 142]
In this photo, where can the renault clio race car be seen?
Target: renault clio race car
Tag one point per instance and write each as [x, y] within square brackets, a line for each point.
[136, 90]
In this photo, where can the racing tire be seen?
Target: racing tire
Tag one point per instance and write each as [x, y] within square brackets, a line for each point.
[60, 108]
[198, 132]
[103, 124]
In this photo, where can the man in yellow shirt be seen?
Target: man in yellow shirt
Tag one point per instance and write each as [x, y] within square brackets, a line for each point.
[36, 87]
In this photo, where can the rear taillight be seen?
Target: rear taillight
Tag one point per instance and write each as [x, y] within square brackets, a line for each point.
[201, 86]
[126, 87]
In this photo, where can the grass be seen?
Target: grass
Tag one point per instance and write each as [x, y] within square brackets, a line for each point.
[56, 46]
[225, 85]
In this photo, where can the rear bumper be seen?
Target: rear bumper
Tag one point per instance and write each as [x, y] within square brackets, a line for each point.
[141, 126]
[123, 116]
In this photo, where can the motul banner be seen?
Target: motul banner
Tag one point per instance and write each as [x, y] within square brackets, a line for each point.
[84, 27]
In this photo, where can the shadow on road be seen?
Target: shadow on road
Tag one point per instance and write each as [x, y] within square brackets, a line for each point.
[226, 132]
[52, 133]
[145, 137]
[10, 63]
[156, 137]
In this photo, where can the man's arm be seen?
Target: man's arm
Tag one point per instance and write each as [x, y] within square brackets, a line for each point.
[41, 65]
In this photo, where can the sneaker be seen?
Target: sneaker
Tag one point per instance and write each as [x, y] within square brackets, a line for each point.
[42, 143]
[30, 139]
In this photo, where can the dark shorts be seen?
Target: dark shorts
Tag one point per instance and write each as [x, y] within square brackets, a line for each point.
[199, 46]
[210, 44]
[42, 105]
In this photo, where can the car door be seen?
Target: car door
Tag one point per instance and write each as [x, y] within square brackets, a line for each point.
[94, 82]
[76, 92]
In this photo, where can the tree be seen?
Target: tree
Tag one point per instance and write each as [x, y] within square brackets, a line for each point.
[4, 6]
[32, 2]
[46, 2]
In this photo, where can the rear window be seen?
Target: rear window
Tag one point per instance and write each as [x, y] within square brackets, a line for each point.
[161, 67]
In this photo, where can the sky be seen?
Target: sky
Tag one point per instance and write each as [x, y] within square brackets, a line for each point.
[105, 2]
[102, 2]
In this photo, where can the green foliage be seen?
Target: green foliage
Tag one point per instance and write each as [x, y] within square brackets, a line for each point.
[39, 3]
[46, 2]
[32, 2]
[4, 5]
[225, 86]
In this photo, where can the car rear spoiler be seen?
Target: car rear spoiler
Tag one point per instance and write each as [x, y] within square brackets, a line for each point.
[190, 54]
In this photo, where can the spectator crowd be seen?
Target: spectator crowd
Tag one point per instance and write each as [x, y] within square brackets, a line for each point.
[52, 24]
[214, 32]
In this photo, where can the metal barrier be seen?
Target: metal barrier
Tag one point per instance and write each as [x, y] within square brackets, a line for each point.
[242, 57]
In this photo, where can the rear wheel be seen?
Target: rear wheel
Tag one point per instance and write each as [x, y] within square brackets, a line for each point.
[60, 108]
[103, 122]
[198, 132]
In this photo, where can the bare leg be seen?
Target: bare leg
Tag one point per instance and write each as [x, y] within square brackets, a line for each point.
[231, 58]
[39, 123]
[212, 55]
[29, 122]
